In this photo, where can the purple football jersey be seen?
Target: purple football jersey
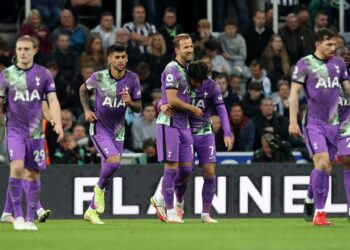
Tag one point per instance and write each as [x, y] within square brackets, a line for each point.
[322, 81]
[110, 108]
[207, 96]
[174, 77]
[24, 91]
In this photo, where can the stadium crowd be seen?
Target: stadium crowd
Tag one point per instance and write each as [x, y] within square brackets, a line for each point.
[251, 64]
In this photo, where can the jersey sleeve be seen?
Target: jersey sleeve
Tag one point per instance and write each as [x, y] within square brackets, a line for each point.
[3, 85]
[300, 72]
[91, 83]
[49, 84]
[170, 78]
[136, 90]
[344, 74]
[217, 95]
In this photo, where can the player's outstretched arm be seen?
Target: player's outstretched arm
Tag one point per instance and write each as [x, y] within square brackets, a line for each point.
[176, 103]
[294, 129]
[228, 136]
[84, 99]
[55, 110]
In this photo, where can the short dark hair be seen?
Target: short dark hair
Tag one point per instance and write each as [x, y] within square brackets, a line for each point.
[321, 13]
[254, 86]
[107, 13]
[116, 48]
[211, 45]
[148, 143]
[236, 104]
[171, 10]
[198, 71]
[324, 34]
[221, 75]
[138, 5]
[231, 22]
[255, 63]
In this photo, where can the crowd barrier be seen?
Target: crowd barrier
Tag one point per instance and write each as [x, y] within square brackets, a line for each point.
[255, 190]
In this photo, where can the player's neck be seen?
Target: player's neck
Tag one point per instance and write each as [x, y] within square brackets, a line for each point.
[24, 65]
[319, 55]
[181, 61]
[118, 74]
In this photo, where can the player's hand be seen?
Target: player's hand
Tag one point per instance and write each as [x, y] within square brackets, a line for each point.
[269, 129]
[126, 97]
[166, 109]
[294, 129]
[197, 112]
[226, 55]
[229, 140]
[90, 116]
[59, 131]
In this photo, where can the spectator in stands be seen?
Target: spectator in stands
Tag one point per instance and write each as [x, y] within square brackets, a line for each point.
[234, 49]
[33, 26]
[87, 12]
[52, 66]
[145, 127]
[281, 101]
[219, 134]
[67, 60]
[148, 81]
[5, 54]
[257, 36]
[321, 21]
[72, 100]
[202, 35]
[106, 30]
[235, 86]
[85, 144]
[94, 54]
[275, 60]
[134, 54]
[303, 16]
[228, 97]
[68, 152]
[220, 65]
[206, 59]
[243, 129]
[67, 120]
[273, 150]
[149, 148]
[297, 39]
[341, 42]
[50, 10]
[140, 30]
[156, 56]
[259, 76]
[170, 29]
[267, 121]
[77, 33]
[251, 100]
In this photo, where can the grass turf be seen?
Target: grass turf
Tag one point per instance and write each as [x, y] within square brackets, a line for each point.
[250, 234]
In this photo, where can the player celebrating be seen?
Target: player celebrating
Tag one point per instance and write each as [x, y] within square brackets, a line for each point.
[320, 74]
[205, 93]
[174, 139]
[24, 86]
[116, 90]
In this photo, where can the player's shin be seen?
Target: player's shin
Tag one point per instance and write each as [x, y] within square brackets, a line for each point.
[8, 202]
[181, 182]
[107, 171]
[320, 186]
[168, 186]
[33, 195]
[208, 191]
[15, 186]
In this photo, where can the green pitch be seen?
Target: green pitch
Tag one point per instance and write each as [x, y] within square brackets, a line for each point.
[233, 234]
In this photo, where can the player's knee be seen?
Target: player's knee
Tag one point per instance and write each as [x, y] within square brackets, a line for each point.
[16, 170]
[209, 171]
[113, 159]
[32, 175]
[112, 166]
[324, 166]
[185, 172]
